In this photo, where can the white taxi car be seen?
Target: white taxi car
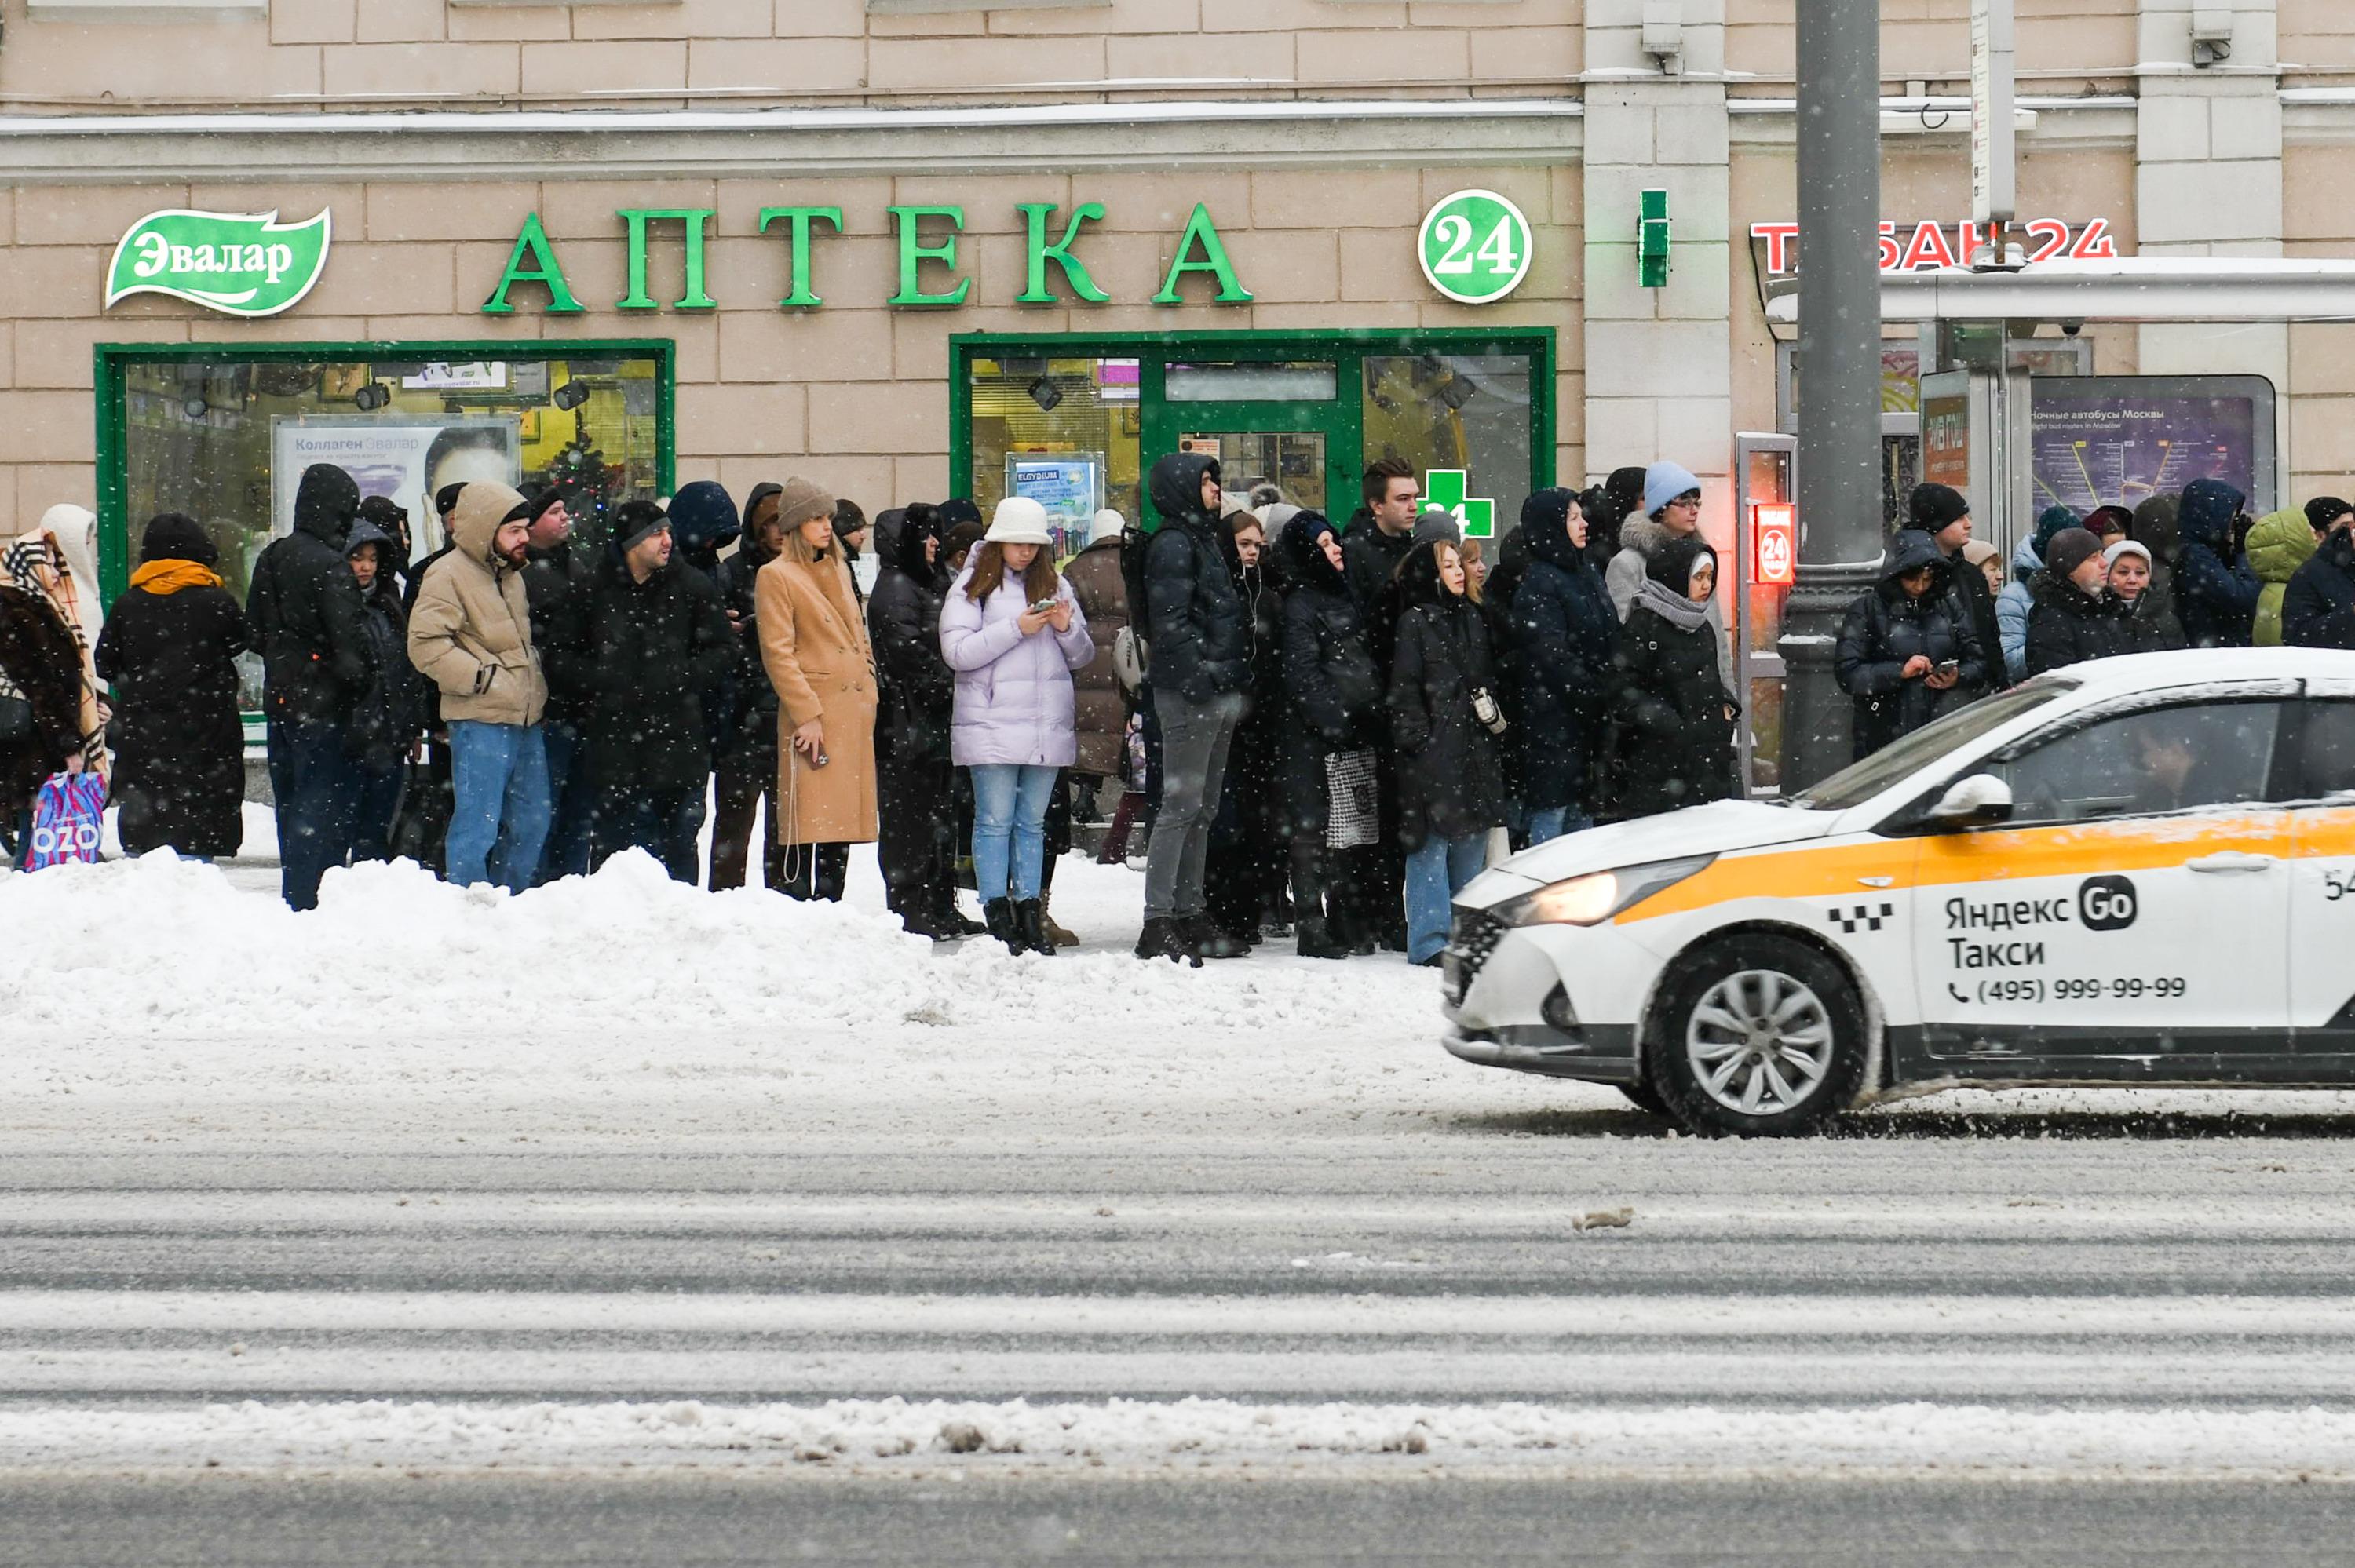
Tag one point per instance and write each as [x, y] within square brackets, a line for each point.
[2135, 871]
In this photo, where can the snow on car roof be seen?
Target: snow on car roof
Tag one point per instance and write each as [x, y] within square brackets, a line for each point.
[2193, 666]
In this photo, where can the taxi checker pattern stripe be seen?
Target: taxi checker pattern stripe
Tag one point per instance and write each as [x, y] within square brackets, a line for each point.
[1957, 860]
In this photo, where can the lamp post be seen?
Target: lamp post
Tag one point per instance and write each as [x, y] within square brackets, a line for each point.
[1838, 362]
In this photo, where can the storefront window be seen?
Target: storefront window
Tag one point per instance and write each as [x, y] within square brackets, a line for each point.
[1296, 414]
[1063, 431]
[1456, 410]
[225, 436]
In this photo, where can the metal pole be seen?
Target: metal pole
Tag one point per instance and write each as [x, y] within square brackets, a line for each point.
[1838, 366]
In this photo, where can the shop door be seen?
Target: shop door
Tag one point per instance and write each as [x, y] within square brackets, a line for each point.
[1288, 426]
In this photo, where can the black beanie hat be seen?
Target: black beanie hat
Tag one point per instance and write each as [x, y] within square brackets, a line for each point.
[177, 536]
[2070, 548]
[2323, 510]
[1934, 506]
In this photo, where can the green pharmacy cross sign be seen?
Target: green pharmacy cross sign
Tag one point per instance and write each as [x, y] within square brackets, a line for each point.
[238, 264]
[1444, 487]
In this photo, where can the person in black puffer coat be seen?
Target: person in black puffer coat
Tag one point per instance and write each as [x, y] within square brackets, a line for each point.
[1672, 721]
[2216, 592]
[657, 644]
[315, 655]
[556, 568]
[390, 719]
[1197, 628]
[916, 789]
[745, 772]
[2319, 605]
[2073, 615]
[1243, 879]
[169, 654]
[1333, 707]
[1567, 633]
[1451, 787]
[1908, 650]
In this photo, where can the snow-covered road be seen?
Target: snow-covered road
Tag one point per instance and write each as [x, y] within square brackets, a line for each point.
[623, 1172]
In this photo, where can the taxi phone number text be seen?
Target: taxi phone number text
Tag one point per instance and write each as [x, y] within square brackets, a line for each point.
[2128, 989]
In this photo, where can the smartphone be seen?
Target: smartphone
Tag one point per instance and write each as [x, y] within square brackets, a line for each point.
[1949, 667]
[821, 759]
[1041, 607]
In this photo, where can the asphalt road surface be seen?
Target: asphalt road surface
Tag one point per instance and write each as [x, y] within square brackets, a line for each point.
[2166, 1280]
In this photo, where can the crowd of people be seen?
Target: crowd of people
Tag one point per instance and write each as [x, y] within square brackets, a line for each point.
[1319, 730]
[1942, 626]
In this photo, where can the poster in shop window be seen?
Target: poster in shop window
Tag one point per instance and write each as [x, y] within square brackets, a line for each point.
[402, 456]
[1069, 485]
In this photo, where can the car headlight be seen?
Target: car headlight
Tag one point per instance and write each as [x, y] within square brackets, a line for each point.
[1595, 897]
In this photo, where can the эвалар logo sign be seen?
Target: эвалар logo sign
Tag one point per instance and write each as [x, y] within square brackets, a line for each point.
[239, 264]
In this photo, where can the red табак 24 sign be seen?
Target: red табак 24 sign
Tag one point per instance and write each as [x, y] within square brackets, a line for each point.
[1774, 544]
[1927, 245]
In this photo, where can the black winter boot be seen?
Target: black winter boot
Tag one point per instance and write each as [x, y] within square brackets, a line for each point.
[1317, 941]
[1166, 938]
[1211, 941]
[997, 915]
[1030, 928]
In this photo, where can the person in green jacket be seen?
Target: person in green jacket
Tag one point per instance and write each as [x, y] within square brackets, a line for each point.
[2279, 544]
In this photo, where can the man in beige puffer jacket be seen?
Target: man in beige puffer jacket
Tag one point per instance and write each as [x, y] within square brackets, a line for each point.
[470, 634]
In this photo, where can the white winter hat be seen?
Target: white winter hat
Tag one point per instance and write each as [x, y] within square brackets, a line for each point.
[1018, 520]
[2125, 547]
[1106, 524]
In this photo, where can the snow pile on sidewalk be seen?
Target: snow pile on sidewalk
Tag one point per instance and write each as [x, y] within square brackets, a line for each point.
[896, 1434]
[160, 948]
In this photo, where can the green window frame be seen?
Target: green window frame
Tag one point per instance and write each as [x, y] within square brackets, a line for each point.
[1346, 349]
[111, 362]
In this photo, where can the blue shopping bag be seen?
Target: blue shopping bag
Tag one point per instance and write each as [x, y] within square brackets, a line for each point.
[67, 820]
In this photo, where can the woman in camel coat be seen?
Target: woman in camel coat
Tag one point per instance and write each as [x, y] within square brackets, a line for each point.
[814, 643]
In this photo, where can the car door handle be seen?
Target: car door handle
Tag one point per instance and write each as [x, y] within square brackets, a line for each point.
[2232, 859]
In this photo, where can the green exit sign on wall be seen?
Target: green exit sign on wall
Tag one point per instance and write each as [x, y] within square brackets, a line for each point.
[1652, 241]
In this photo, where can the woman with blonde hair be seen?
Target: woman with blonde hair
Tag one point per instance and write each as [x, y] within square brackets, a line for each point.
[814, 644]
[1013, 632]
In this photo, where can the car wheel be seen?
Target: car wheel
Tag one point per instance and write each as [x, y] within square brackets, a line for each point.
[1644, 1097]
[1756, 1037]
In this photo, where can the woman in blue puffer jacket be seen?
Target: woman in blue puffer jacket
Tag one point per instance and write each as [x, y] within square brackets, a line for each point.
[2012, 605]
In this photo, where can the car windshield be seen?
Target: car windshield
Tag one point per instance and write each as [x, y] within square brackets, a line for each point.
[1854, 785]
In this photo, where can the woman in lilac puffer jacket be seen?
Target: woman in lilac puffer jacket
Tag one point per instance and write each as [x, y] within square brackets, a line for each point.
[1013, 632]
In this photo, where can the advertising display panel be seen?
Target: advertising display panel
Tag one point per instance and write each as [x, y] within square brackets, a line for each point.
[2118, 440]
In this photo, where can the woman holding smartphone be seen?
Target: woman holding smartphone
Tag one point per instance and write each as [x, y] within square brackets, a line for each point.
[1907, 652]
[1013, 632]
[814, 645]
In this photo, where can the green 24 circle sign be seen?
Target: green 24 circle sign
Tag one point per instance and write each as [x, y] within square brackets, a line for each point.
[1476, 247]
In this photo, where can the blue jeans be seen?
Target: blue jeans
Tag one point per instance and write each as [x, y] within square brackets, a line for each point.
[499, 773]
[1009, 801]
[1554, 822]
[572, 797]
[314, 788]
[1434, 875]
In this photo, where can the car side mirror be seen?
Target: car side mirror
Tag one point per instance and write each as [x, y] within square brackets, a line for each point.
[1968, 802]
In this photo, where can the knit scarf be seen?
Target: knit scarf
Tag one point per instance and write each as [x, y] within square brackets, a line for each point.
[166, 578]
[1671, 606]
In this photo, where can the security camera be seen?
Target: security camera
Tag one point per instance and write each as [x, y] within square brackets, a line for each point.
[2070, 329]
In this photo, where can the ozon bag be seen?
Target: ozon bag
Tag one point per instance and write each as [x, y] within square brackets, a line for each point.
[66, 821]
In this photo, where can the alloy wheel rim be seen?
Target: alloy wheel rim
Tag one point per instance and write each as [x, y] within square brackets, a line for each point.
[1758, 1043]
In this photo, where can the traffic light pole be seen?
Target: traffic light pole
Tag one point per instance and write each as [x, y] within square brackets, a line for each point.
[1839, 366]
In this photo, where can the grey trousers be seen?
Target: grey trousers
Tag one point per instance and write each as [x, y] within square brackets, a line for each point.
[1195, 740]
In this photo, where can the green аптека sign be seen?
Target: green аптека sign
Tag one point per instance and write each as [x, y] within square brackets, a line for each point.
[241, 265]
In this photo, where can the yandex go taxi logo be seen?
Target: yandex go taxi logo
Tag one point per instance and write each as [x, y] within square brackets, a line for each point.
[2107, 902]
